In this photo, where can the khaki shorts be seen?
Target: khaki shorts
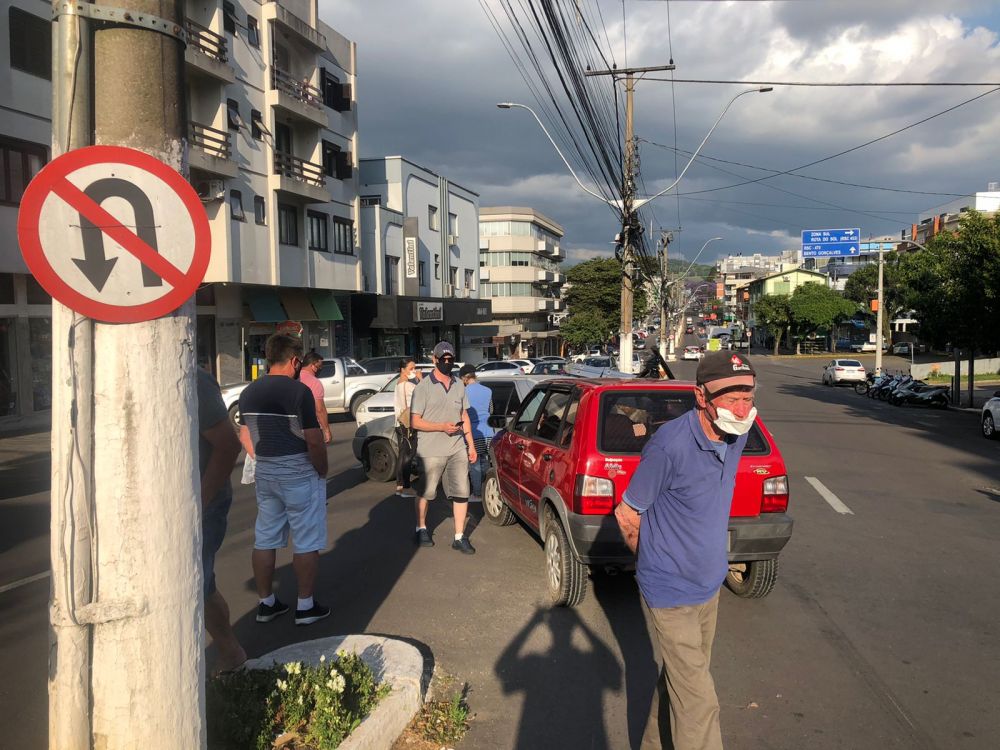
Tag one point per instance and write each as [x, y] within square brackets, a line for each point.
[450, 471]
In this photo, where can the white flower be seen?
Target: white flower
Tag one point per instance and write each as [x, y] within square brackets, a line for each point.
[282, 685]
[337, 684]
[300, 700]
[322, 658]
[294, 667]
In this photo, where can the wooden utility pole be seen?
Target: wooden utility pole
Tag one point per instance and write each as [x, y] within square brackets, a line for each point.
[665, 290]
[127, 658]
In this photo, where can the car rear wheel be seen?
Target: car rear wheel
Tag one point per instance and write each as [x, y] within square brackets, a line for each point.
[359, 398]
[752, 580]
[566, 576]
[234, 415]
[989, 427]
[494, 508]
[380, 460]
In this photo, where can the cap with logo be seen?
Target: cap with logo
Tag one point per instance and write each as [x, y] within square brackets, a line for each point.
[443, 348]
[722, 370]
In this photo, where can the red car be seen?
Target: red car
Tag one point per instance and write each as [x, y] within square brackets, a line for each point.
[563, 461]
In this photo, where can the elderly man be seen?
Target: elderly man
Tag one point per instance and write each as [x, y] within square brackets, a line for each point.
[676, 511]
[439, 412]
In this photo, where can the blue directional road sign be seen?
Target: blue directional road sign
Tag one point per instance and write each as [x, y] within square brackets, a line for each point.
[830, 243]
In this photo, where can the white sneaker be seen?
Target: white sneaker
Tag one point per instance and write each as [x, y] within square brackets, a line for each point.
[475, 499]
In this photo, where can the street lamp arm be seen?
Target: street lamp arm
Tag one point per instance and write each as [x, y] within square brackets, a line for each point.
[643, 201]
[509, 105]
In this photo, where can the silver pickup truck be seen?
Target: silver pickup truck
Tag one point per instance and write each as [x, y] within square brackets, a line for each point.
[346, 385]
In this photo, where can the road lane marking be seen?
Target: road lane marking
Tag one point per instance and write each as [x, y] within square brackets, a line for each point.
[832, 499]
[24, 582]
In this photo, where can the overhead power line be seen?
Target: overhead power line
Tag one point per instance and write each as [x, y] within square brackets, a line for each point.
[823, 84]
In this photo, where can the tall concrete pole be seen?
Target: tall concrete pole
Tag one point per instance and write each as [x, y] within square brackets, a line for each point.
[628, 194]
[72, 429]
[878, 315]
[148, 657]
[665, 289]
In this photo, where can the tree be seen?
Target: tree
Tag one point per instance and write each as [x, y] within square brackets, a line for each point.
[862, 287]
[816, 306]
[585, 327]
[596, 285]
[774, 311]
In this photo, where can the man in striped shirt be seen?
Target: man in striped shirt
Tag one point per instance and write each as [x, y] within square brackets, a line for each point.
[280, 430]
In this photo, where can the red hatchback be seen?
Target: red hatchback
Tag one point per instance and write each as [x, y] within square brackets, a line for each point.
[565, 458]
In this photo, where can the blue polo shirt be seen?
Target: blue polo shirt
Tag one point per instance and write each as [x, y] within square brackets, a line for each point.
[683, 487]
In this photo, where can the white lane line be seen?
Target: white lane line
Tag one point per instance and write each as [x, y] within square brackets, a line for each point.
[832, 499]
[24, 582]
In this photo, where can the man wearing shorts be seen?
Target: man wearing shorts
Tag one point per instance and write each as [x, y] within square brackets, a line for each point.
[439, 411]
[280, 429]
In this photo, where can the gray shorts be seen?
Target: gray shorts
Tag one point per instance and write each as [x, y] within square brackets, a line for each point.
[451, 471]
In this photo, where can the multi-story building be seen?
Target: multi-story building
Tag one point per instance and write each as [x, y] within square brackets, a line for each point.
[839, 270]
[737, 271]
[272, 138]
[945, 218]
[519, 257]
[421, 265]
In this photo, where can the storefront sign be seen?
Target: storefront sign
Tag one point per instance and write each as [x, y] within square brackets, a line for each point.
[410, 257]
[427, 312]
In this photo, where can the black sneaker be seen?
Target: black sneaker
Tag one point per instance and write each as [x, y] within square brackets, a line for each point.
[267, 613]
[423, 538]
[463, 546]
[309, 616]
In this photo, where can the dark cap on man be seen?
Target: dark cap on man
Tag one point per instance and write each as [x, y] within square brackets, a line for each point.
[442, 349]
[466, 370]
[723, 370]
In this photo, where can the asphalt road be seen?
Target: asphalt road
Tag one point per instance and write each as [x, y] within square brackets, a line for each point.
[881, 632]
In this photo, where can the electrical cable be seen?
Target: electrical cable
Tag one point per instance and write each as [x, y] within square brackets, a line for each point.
[827, 84]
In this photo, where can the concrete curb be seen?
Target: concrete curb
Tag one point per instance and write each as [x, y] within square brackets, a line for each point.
[392, 661]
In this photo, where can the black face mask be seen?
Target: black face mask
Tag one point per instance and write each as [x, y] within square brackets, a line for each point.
[445, 368]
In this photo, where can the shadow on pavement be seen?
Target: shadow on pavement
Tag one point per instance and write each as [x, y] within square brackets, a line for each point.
[21, 521]
[563, 681]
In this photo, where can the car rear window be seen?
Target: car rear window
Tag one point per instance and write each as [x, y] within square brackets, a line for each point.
[505, 400]
[848, 363]
[629, 418]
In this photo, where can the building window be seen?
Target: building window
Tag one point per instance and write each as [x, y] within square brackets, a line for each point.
[317, 231]
[336, 95]
[453, 279]
[330, 151]
[453, 224]
[391, 274]
[422, 273]
[470, 280]
[257, 128]
[229, 17]
[30, 43]
[233, 114]
[19, 162]
[236, 205]
[288, 224]
[259, 210]
[253, 32]
[432, 218]
[437, 266]
[371, 200]
[343, 236]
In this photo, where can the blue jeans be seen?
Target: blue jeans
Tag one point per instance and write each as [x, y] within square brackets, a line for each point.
[478, 469]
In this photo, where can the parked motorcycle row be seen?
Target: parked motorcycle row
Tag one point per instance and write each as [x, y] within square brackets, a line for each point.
[900, 389]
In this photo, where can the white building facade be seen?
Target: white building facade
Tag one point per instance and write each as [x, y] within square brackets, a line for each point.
[420, 273]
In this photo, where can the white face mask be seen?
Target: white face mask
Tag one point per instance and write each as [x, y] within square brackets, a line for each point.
[729, 423]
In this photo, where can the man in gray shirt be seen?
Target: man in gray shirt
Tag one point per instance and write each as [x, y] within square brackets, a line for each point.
[445, 448]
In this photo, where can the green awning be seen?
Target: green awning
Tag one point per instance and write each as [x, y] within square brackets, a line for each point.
[325, 305]
[264, 305]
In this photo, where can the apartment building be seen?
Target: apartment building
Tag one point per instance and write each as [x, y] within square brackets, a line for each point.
[519, 265]
[945, 218]
[737, 271]
[420, 273]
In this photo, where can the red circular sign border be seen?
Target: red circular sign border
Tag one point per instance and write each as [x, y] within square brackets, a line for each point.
[40, 188]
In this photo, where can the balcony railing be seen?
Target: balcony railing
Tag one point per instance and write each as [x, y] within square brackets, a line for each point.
[207, 41]
[287, 165]
[213, 142]
[301, 90]
[292, 22]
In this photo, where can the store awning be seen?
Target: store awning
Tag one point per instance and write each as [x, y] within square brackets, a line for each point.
[297, 305]
[325, 305]
[264, 305]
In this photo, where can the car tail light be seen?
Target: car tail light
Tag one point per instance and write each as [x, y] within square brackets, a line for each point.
[839, 369]
[775, 499]
[594, 495]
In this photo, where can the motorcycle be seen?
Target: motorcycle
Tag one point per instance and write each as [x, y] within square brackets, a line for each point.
[863, 387]
[898, 395]
[882, 390]
[936, 396]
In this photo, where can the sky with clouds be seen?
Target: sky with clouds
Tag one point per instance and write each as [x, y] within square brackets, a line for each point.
[431, 71]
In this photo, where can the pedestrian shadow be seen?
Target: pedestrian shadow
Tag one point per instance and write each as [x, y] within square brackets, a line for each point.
[619, 598]
[563, 669]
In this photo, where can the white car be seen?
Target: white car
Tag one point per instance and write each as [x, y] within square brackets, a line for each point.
[991, 417]
[692, 352]
[844, 371]
[507, 366]
[384, 402]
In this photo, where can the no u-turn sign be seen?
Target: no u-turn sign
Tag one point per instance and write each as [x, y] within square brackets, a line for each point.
[114, 234]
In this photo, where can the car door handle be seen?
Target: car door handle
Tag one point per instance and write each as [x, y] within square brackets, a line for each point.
[520, 446]
[546, 456]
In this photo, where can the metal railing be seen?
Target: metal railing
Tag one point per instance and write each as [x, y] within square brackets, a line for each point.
[287, 165]
[300, 27]
[213, 142]
[207, 41]
[302, 90]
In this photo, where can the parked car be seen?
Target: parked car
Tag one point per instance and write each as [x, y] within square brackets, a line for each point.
[346, 385]
[840, 371]
[693, 352]
[381, 365]
[549, 368]
[552, 358]
[564, 460]
[991, 417]
[903, 348]
[375, 444]
[503, 365]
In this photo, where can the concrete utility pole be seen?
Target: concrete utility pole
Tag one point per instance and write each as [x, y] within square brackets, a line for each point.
[878, 316]
[126, 534]
[665, 290]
